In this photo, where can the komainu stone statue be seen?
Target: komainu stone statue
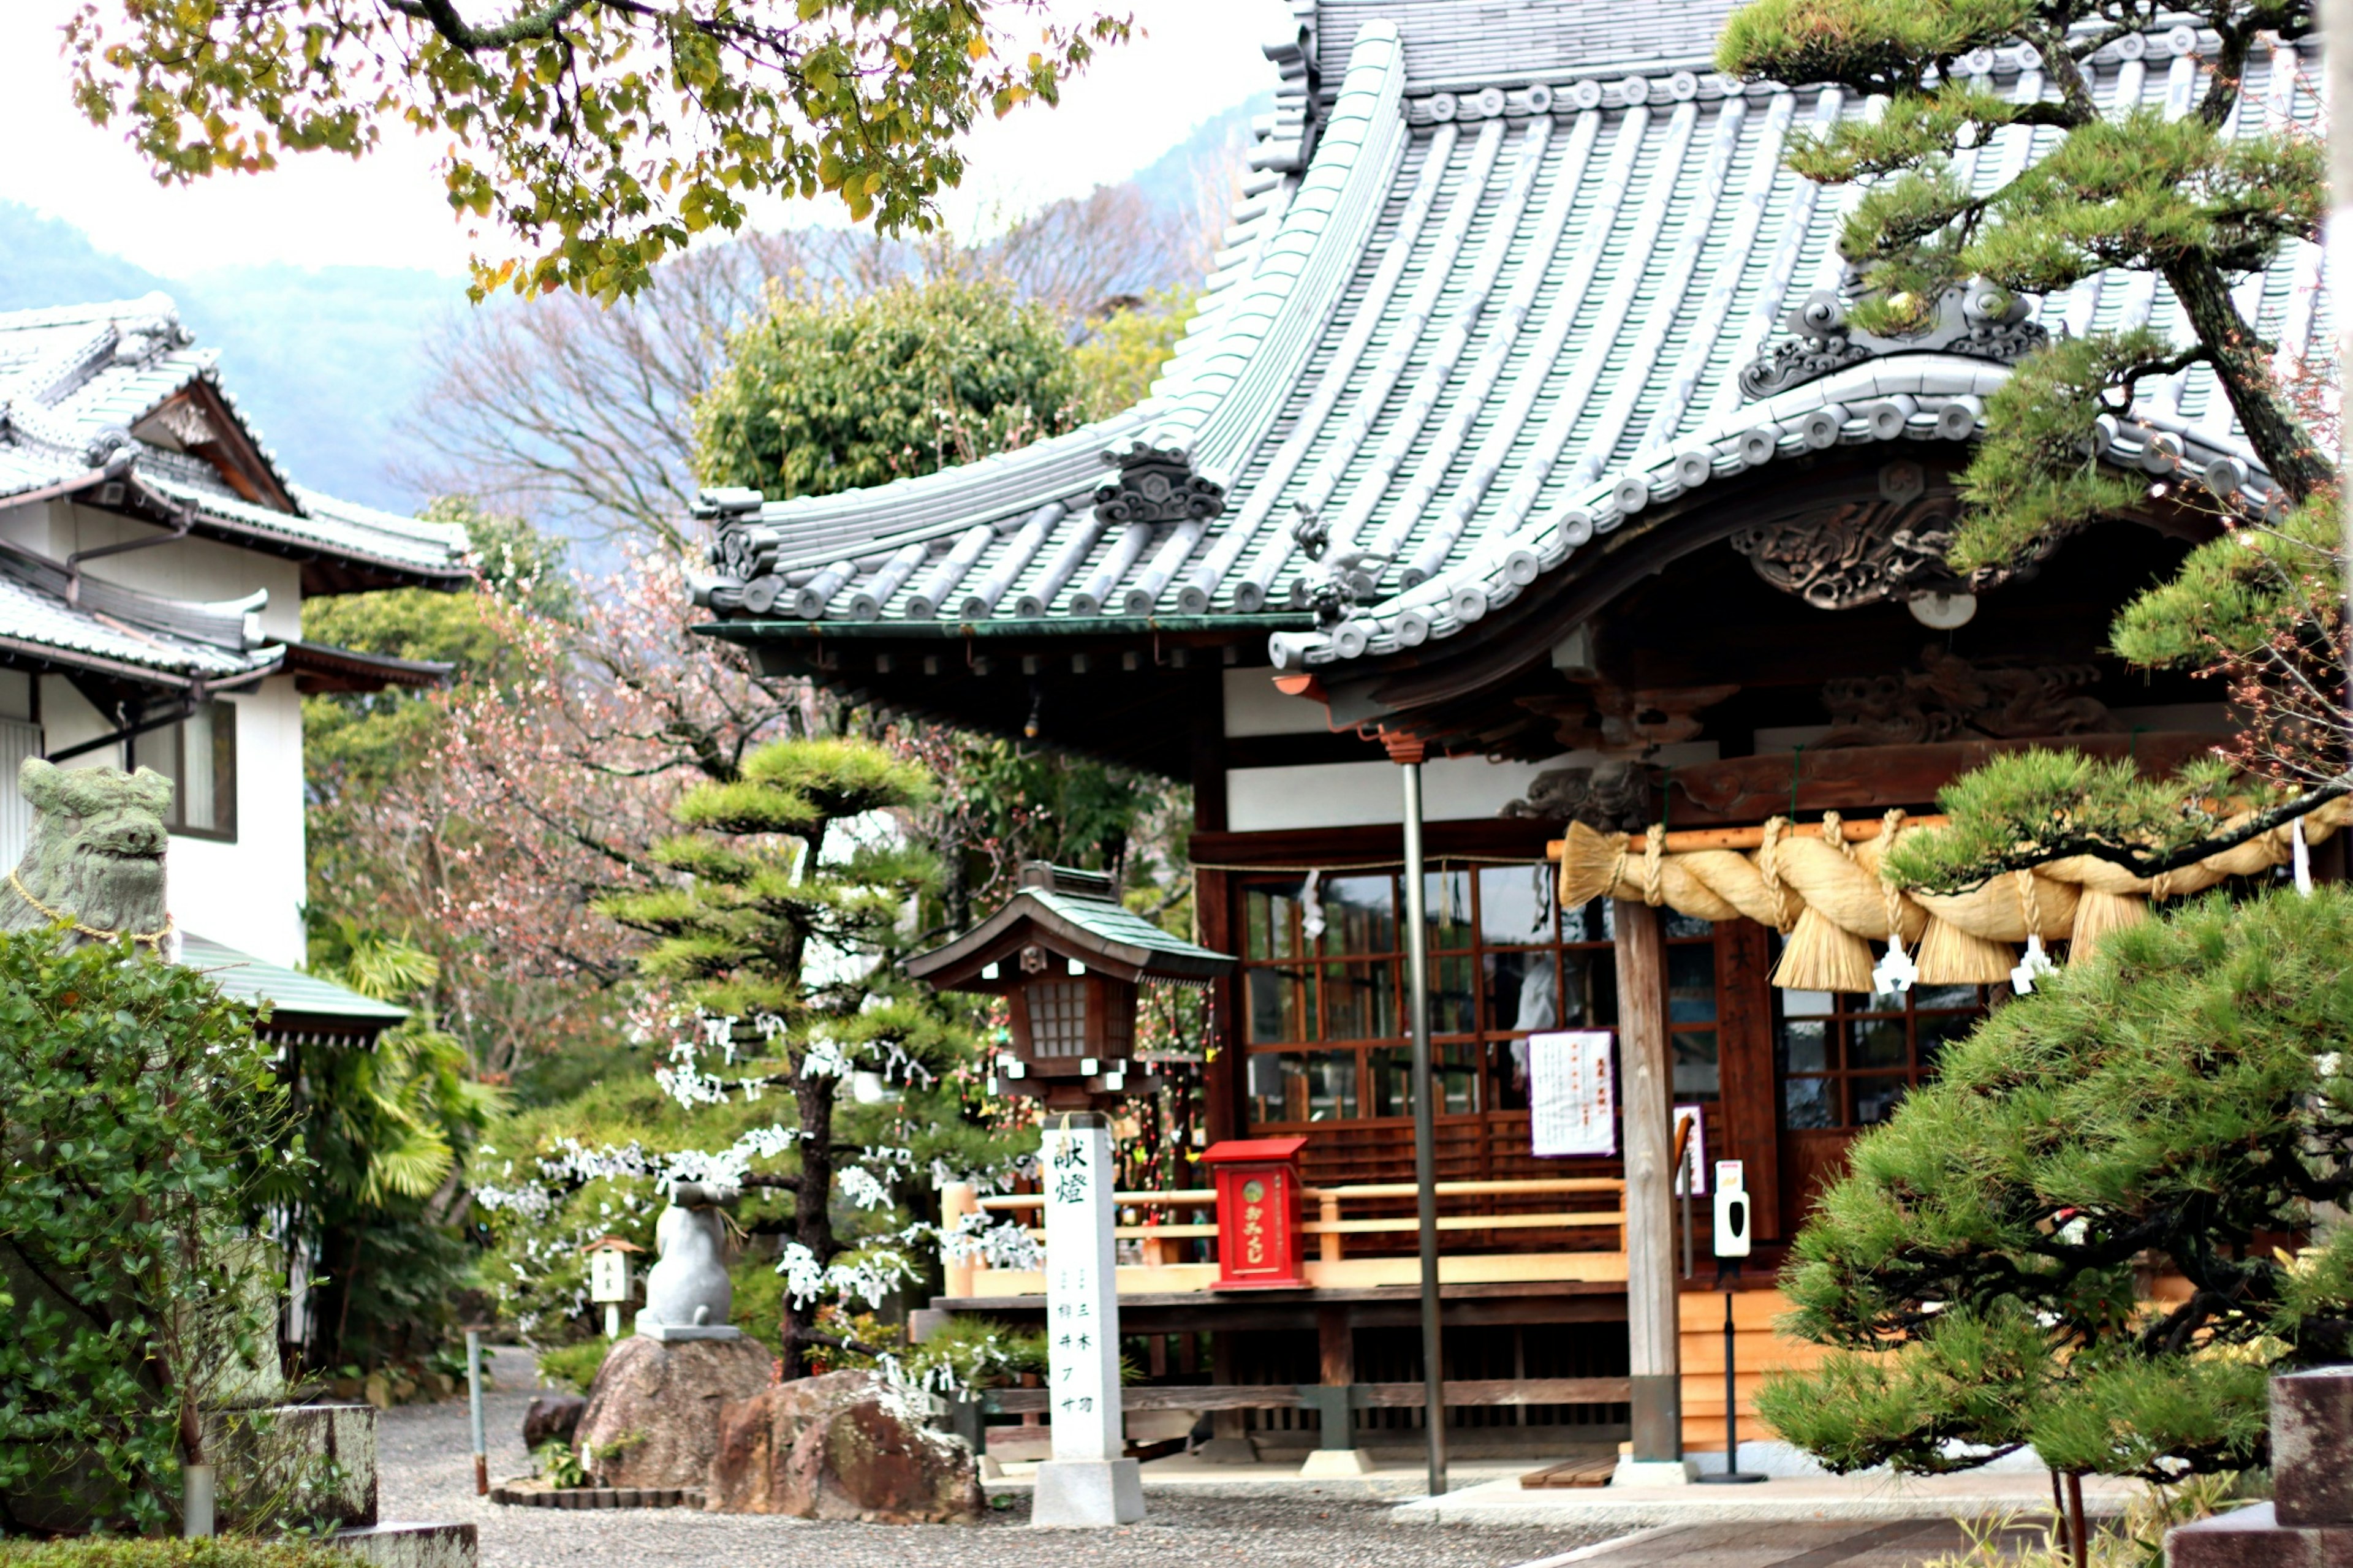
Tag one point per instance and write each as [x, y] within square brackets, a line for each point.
[95, 856]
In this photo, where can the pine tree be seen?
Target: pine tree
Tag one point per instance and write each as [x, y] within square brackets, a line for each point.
[784, 931]
[2198, 202]
[1986, 1275]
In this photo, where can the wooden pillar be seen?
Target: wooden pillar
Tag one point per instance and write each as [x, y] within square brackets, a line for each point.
[1335, 1343]
[1651, 1312]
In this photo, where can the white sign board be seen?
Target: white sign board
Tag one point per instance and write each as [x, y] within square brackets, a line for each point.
[608, 1275]
[1081, 1293]
[1572, 1093]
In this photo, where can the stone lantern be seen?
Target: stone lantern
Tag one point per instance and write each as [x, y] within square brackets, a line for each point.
[1068, 956]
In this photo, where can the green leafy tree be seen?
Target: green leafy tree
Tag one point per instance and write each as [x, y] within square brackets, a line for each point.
[2175, 1104]
[831, 392]
[785, 932]
[599, 134]
[1120, 357]
[139, 1120]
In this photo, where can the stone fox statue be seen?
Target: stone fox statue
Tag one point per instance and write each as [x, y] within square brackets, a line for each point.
[95, 856]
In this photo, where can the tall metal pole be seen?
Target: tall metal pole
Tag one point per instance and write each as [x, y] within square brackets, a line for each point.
[1425, 1120]
[474, 1404]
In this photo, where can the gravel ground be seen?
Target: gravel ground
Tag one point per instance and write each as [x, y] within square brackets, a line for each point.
[427, 1469]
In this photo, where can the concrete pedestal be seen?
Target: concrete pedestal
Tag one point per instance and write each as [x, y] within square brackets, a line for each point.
[1336, 1462]
[679, 1333]
[1087, 1493]
[1634, 1472]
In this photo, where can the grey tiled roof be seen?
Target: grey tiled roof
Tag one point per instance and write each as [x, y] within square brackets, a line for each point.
[1485, 322]
[121, 633]
[294, 994]
[79, 382]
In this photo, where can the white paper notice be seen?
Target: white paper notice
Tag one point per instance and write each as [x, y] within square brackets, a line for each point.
[1572, 1093]
[1081, 1293]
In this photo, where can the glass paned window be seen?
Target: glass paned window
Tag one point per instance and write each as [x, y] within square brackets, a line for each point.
[1847, 1060]
[1504, 964]
[1453, 1072]
[199, 756]
[1302, 1086]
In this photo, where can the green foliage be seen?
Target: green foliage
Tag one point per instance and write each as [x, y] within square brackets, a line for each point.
[1121, 355]
[556, 1463]
[2037, 473]
[2190, 198]
[827, 393]
[600, 136]
[972, 1353]
[217, 1552]
[137, 1117]
[574, 1366]
[2162, 1103]
[2024, 807]
[2238, 592]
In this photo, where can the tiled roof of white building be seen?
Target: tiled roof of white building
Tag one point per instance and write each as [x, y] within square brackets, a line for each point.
[48, 618]
[1506, 302]
[81, 383]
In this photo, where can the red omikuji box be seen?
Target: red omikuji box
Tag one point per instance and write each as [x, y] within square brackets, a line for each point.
[1259, 1246]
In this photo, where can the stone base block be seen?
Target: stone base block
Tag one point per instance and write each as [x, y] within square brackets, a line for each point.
[676, 1334]
[1336, 1462]
[404, 1545]
[1087, 1493]
[2253, 1538]
[1227, 1451]
[1634, 1472]
[308, 1461]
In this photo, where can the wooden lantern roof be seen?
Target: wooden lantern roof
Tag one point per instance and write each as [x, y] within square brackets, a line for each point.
[1074, 915]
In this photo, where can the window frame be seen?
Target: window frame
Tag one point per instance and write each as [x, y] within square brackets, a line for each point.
[1840, 1075]
[1461, 984]
[222, 713]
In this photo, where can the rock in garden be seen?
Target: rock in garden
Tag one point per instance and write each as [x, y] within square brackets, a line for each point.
[552, 1417]
[846, 1446]
[652, 1418]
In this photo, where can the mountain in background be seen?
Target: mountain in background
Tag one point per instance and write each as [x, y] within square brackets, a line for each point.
[325, 362]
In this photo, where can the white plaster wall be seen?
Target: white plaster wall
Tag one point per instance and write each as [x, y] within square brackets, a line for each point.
[1253, 706]
[249, 893]
[1365, 794]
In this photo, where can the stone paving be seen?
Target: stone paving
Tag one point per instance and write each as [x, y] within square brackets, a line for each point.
[427, 1469]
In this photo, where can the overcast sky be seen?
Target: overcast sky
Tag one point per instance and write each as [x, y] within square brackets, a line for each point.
[320, 209]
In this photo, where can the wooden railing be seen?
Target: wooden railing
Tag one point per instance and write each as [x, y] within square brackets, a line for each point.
[1330, 1265]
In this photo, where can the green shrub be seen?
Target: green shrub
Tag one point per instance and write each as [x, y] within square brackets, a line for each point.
[116, 1551]
[136, 1110]
[574, 1366]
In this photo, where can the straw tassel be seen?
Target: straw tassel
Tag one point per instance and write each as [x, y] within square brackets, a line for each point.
[1589, 865]
[1819, 954]
[2099, 915]
[1951, 956]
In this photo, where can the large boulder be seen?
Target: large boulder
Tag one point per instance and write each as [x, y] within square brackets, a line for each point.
[653, 1412]
[846, 1445]
[552, 1417]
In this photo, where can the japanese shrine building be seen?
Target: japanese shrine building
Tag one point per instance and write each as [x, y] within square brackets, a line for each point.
[1521, 431]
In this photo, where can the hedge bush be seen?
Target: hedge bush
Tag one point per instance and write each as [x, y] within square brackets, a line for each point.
[119, 1552]
[136, 1116]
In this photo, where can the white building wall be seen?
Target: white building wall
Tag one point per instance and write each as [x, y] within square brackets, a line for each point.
[249, 893]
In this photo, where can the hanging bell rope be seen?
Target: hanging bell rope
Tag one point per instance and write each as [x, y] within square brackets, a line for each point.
[1822, 886]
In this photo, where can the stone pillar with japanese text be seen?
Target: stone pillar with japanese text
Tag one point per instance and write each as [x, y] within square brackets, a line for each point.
[1087, 1482]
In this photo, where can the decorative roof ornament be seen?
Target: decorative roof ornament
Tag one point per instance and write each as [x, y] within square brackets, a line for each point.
[1974, 319]
[1155, 485]
[1341, 578]
[1867, 551]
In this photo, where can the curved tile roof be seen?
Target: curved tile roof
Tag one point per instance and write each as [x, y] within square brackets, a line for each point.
[81, 383]
[1552, 288]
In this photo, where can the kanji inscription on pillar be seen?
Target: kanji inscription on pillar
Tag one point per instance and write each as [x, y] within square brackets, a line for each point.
[1081, 1290]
